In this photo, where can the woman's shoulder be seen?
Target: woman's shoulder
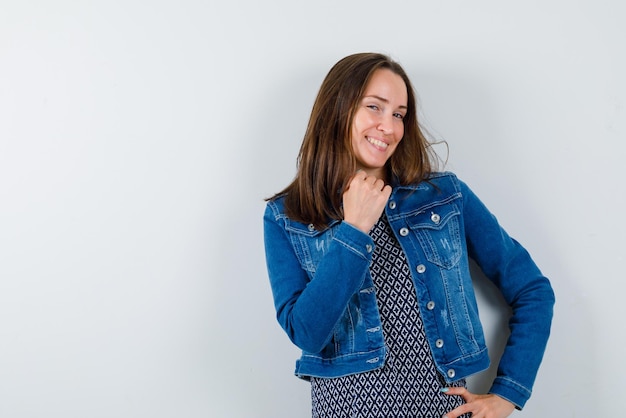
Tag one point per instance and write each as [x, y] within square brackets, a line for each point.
[275, 207]
[442, 176]
[441, 180]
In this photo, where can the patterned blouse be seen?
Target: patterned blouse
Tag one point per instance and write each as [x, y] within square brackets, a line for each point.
[408, 385]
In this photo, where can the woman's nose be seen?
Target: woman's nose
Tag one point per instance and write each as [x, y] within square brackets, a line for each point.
[386, 125]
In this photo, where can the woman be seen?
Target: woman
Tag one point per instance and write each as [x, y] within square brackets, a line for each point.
[367, 253]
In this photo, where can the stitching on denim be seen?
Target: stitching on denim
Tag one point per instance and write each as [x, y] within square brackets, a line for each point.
[514, 383]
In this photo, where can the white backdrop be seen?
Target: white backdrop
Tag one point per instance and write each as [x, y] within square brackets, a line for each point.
[139, 138]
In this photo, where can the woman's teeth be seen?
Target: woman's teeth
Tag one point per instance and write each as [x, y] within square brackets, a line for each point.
[376, 142]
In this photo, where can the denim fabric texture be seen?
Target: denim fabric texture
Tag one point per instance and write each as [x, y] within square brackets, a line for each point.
[326, 302]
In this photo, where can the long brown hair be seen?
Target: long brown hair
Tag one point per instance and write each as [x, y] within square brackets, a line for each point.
[326, 161]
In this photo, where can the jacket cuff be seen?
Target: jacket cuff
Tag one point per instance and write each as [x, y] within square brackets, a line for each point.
[511, 391]
[355, 240]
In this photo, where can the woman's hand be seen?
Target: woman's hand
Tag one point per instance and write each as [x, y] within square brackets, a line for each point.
[480, 406]
[364, 201]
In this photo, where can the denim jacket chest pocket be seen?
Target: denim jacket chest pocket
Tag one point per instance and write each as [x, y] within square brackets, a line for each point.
[438, 231]
[309, 244]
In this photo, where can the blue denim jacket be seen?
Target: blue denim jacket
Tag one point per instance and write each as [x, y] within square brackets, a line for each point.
[326, 301]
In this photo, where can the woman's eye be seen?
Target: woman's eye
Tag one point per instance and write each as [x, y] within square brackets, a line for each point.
[399, 115]
[373, 107]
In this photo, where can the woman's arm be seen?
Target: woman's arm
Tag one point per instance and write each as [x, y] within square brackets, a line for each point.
[531, 298]
[308, 310]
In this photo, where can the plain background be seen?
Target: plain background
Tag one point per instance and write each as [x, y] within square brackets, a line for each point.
[138, 140]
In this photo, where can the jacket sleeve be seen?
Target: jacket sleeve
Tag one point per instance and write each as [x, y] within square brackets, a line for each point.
[509, 266]
[308, 310]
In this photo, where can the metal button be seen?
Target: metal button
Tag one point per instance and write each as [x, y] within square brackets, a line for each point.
[439, 344]
[404, 232]
[435, 218]
[311, 227]
[451, 373]
[368, 248]
[430, 305]
[420, 268]
[392, 205]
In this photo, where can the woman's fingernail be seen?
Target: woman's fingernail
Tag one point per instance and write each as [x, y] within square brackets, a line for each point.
[443, 390]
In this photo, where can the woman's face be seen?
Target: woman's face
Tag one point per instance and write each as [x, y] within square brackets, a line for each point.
[378, 125]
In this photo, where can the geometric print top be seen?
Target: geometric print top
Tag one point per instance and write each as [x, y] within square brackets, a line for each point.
[408, 384]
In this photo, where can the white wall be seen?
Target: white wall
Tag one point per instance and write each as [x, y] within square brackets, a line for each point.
[138, 139]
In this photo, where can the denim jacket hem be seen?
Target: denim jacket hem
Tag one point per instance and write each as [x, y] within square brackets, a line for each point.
[308, 365]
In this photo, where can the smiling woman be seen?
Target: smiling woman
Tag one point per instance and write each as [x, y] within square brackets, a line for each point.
[368, 257]
[378, 123]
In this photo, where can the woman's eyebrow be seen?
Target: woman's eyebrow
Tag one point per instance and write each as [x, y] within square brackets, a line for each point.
[382, 99]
